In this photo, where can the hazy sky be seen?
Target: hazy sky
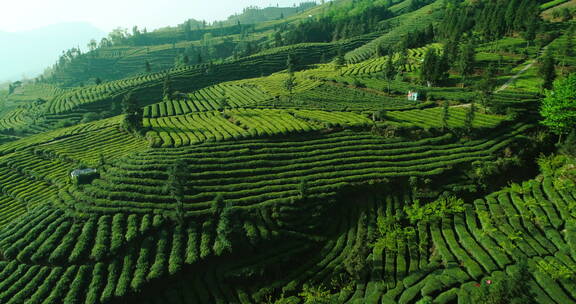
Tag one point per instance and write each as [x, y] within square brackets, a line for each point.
[21, 15]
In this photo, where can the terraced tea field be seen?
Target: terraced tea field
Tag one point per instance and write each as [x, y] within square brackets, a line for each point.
[286, 168]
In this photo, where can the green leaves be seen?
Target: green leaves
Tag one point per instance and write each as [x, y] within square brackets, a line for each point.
[442, 207]
[559, 106]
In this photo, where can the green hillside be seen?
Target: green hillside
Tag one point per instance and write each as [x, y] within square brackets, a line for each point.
[350, 151]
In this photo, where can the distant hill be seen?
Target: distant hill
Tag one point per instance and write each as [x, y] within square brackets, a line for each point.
[255, 14]
[30, 52]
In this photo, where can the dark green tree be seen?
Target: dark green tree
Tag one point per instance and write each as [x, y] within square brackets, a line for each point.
[340, 60]
[290, 63]
[167, 88]
[290, 84]
[278, 39]
[147, 66]
[176, 186]
[434, 68]
[465, 61]
[547, 70]
[428, 68]
[402, 61]
[132, 114]
[445, 115]
[511, 289]
[224, 230]
[530, 31]
[223, 101]
[101, 162]
[559, 106]
[470, 115]
[389, 71]
[380, 50]
[290, 81]
[355, 264]
[486, 87]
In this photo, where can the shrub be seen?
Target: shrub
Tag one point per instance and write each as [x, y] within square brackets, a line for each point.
[436, 210]
[88, 117]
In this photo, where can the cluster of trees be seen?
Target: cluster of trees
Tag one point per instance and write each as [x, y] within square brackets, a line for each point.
[331, 28]
[254, 14]
[66, 57]
[491, 19]
[436, 64]
[435, 67]
[416, 39]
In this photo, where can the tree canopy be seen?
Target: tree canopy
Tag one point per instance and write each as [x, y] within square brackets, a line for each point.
[559, 106]
[133, 118]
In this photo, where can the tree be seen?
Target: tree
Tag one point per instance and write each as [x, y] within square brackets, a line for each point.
[147, 66]
[290, 63]
[445, 115]
[402, 61]
[92, 45]
[486, 100]
[486, 87]
[90, 116]
[133, 114]
[167, 88]
[187, 27]
[547, 71]
[355, 264]
[389, 71]
[290, 82]
[97, 81]
[427, 73]
[511, 289]
[380, 50]
[176, 186]
[224, 230]
[118, 35]
[559, 106]
[465, 61]
[101, 161]
[223, 101]
[530, 32]
[278, 39]
[340, 60]
[470, 115]
[434, 68]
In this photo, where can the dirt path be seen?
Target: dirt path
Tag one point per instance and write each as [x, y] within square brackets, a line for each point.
[513, 78]
[522, 71]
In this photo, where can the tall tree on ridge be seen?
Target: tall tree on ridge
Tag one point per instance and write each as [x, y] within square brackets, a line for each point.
[465, 62]
[389, 71]
[547, 70]
[133, 113]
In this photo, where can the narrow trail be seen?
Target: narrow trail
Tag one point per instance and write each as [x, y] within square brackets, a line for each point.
[522, 71]
[513, 78]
